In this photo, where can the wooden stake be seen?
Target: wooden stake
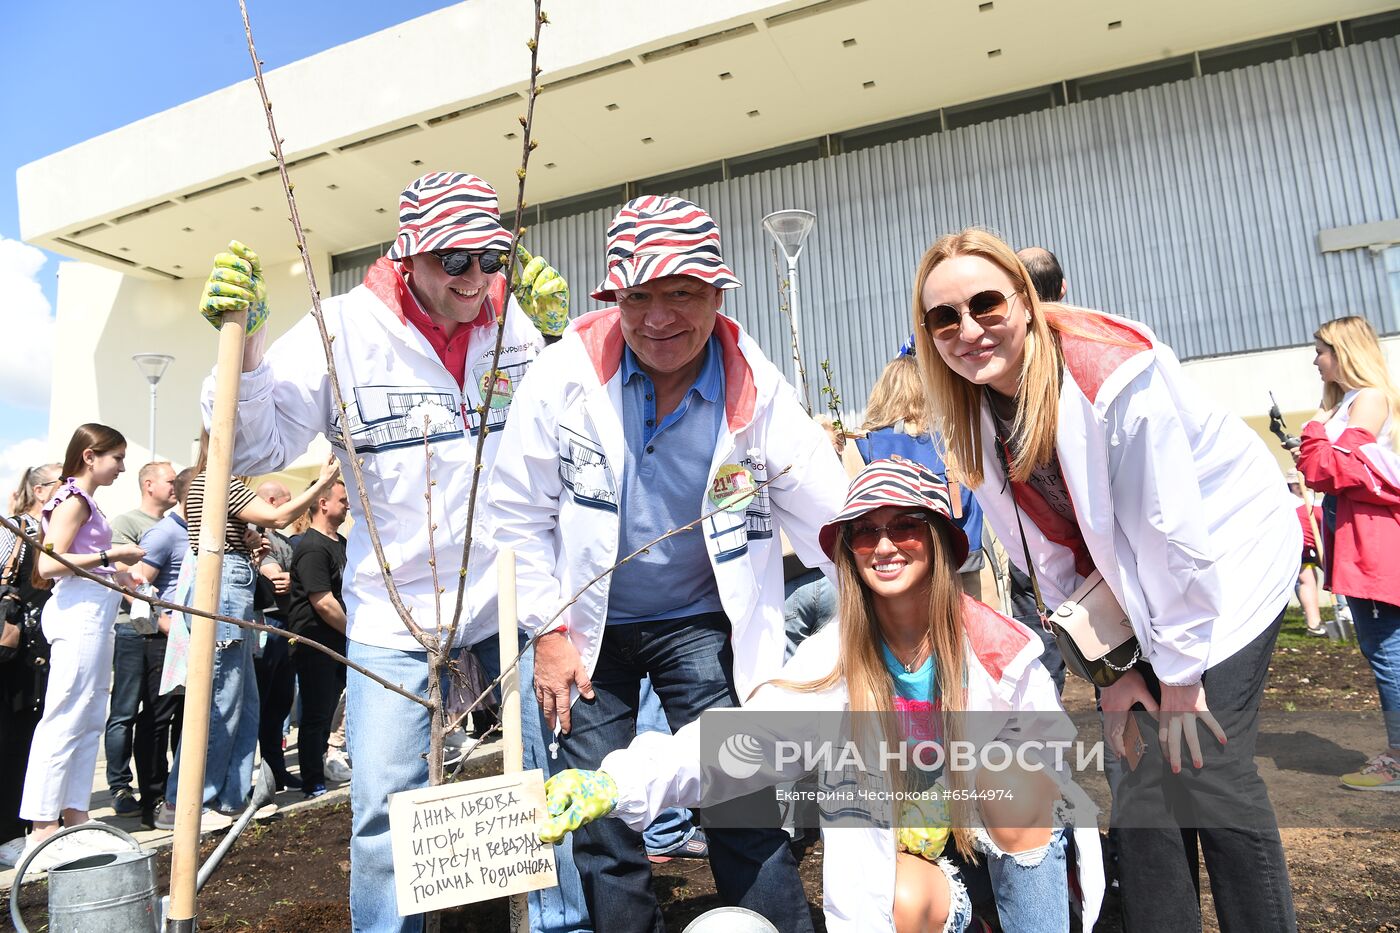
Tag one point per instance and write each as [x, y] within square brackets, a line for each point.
[512, 742]
[199, 684]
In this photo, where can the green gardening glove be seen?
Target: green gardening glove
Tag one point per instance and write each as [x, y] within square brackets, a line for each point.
[923, 827]
[574, 798]
[235, 283]
[542, 292]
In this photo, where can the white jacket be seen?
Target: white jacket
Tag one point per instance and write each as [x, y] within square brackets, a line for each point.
[858, 871]
[554, 494]
[1182, 509]
[389, 377]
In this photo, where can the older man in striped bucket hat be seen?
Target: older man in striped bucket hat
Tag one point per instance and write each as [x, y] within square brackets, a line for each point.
[654, 415]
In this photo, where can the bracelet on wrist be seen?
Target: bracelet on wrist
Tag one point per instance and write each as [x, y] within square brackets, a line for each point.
[105, 561]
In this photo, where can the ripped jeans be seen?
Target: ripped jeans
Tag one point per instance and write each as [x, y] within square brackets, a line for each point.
[1031, 888]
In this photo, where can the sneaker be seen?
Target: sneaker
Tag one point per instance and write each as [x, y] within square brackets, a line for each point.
[124, 802]
[697, 846]
[68, 849]
[1380, 773]
[456, 746]
[284, 779]
[210, 821]
[11, 852]
[314, 791]
[101, 840]
[337, 768]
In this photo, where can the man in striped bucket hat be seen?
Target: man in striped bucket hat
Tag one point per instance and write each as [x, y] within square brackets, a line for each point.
[414, 348]
[648, 416]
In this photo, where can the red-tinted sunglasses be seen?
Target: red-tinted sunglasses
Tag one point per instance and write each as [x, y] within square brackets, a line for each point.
[987, 308]
[906, 531]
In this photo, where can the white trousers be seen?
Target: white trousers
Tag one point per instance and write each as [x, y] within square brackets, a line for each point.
[78, 622]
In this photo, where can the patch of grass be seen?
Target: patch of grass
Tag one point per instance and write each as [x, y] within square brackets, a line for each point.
[1294, 633]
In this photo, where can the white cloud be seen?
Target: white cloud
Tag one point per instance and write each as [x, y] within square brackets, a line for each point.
[18, 457]
[26, 327]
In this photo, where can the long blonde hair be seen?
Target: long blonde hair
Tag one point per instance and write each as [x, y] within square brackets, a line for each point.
[1360, 363]
[956, 404]
[898, 395]
[861, 668]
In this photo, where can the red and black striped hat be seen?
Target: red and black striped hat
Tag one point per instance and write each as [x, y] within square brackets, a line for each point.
[903, 484]
[448, 210]
[652, 237]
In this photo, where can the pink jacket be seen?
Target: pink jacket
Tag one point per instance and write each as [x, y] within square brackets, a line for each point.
[1360, 554]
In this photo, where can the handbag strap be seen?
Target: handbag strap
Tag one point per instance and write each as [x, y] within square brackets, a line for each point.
[9, 576]
[1003, 457]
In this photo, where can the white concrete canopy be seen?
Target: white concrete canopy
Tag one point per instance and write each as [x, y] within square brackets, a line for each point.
[634, 89]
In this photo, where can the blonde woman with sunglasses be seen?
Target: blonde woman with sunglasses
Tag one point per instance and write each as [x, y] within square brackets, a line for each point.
[1348, 452]
[917, 660]
[1117, 466]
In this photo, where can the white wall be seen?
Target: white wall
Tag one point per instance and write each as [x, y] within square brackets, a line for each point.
[103, 318]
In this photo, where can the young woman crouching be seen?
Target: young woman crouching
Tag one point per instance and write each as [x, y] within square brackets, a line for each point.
[926, 663]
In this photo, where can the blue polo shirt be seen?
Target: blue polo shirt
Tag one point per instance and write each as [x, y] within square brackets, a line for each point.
[165, 545]
[665, 477]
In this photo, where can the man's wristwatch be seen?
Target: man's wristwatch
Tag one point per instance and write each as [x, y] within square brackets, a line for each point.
[105, 561]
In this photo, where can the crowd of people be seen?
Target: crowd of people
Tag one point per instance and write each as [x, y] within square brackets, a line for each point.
[96, 671]
[1012, 428]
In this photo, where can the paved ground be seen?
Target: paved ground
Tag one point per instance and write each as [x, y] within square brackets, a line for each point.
[288, 801]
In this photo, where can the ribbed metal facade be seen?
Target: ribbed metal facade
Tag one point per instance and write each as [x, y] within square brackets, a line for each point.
[1193, 207]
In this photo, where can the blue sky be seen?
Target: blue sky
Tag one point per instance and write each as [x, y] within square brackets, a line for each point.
[77, 69]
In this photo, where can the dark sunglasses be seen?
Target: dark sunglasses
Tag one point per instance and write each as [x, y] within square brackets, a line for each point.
[904, 531]
[987, 308]
[458, 261]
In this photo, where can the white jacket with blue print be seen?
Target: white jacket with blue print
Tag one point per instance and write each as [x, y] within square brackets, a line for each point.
[390, 378]
[554, 493]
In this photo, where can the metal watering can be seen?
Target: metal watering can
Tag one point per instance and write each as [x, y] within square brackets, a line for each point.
[115, 892]
[107, 892]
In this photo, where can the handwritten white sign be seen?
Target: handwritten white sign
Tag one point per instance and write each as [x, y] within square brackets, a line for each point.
[468, 842]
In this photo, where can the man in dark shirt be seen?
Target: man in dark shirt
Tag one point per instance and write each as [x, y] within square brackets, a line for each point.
[318, 614]
[276, 676]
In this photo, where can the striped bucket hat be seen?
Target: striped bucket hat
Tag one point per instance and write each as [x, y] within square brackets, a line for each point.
[448, 210]
[903, 484]
[652, 237]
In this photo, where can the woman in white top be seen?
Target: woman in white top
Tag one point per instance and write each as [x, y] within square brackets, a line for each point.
[77, 620]
[1117, 466]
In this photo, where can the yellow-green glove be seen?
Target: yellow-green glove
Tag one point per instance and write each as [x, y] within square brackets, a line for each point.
[235, 283]
[542, 292]
[574, 798]
[923, 827]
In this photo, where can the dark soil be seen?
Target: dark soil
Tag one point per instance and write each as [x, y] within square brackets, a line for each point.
[292, 875]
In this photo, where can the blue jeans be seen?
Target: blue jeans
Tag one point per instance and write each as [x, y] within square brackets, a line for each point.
[388, 736]
[1378, 633]
[1031, 888]
[128, 673]
[672, 827]
[233, 712]
[690, 663]
[810, 604]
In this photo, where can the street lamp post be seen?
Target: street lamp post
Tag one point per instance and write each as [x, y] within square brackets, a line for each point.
[790, 229]
[152, 366]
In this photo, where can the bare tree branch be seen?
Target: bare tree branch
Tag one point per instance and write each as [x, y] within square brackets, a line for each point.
[527, 145]
[547, 627]
[106, 581]
[427, 641]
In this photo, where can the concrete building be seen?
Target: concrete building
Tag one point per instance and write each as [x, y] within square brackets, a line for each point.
[1226, 173]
